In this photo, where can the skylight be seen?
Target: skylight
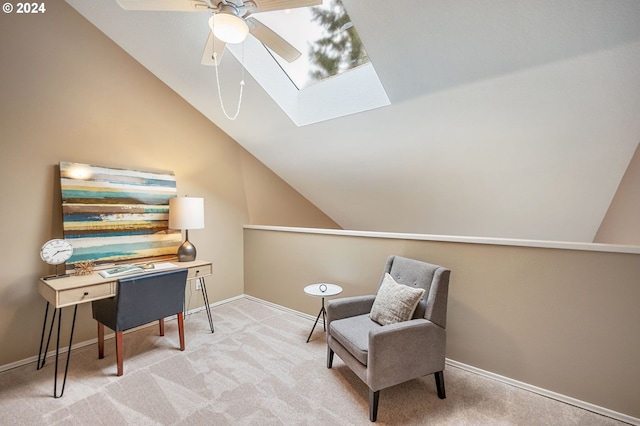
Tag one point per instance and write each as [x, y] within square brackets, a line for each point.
[306, 92]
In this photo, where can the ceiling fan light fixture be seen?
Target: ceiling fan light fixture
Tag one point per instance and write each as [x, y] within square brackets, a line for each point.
[228, 27]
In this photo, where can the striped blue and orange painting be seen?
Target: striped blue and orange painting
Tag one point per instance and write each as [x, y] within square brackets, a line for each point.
[115, 215]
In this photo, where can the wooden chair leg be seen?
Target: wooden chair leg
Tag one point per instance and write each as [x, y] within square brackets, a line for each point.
[373, 404]
[440, 384]
[119, 352]
[161, 325]
[181, 330]
[100, 340]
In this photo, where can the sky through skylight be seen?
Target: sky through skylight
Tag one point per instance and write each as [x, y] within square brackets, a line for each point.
[334, 41]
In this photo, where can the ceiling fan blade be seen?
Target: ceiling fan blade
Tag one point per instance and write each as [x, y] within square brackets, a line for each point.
[269, 5]
[170, 5]
[272, 40]
[207, 55]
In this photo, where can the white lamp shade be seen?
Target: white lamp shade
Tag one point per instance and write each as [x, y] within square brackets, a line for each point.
[229, 28]
[186, 213]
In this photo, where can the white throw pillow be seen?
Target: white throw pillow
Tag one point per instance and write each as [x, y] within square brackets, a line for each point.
[394, 302]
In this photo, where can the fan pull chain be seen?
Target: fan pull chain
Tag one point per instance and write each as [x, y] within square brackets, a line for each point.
[215, 59]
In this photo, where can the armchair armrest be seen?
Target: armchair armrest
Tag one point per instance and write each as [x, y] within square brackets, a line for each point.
[346, 307]
[405, 350]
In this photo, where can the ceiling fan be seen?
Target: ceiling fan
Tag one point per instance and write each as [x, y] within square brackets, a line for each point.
[231, 15]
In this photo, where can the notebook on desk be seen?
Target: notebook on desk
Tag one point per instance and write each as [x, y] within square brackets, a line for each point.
[135, 269]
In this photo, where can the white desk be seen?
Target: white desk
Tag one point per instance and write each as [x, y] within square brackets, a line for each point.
[76, 289]
[322, 290]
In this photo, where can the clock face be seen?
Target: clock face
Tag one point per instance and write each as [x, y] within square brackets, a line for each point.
[56, 251]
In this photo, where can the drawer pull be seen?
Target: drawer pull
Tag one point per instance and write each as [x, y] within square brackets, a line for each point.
[86, 293]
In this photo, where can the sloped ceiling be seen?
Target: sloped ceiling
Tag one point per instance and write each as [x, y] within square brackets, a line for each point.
[511, 118]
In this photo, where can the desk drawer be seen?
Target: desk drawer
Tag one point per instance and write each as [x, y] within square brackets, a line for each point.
[199, 271]
[86, 294]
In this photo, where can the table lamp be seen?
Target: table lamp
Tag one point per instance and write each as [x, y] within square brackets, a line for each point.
[186, 213]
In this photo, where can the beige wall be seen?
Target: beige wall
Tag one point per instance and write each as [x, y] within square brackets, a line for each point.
[621, 224]
[70, 94]
[564, 320]
[269, 199]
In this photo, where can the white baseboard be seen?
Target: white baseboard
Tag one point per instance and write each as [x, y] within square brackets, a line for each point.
[531, 388]
[65, 349]
[525, 386]
[280, 307]
[547, 393]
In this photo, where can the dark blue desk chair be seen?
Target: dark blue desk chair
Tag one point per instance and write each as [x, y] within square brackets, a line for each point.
[140, 300]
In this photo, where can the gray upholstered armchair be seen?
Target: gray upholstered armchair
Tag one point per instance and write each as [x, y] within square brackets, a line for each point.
[411, 344]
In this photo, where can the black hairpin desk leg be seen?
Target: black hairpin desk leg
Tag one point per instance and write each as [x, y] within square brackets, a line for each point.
[206, 302]
[44, 327]
[43, 354]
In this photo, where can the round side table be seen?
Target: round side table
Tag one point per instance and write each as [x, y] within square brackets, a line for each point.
[321, 290]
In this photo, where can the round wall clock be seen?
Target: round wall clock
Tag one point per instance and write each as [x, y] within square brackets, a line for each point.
[56, 251]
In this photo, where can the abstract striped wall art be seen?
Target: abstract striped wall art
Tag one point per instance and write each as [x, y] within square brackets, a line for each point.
[115, 215]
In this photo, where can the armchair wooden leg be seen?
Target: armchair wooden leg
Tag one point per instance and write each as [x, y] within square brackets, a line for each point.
[161, 326]
[373, 405]
[119, 352]
[181, 330]
[440, 384]
[329, 357]
[100, 340]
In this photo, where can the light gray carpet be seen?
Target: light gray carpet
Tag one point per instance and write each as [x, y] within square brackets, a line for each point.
[256, 369]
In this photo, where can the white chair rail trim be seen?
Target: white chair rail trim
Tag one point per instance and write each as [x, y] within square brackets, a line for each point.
[563, 245]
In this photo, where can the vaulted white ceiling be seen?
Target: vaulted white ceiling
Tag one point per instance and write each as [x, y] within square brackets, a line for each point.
[508, 118]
